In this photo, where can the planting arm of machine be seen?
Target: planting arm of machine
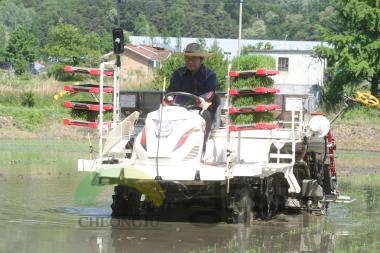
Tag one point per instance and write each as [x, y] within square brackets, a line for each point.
[320, 126]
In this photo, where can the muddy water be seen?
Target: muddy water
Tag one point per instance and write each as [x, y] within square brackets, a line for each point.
[39, 215]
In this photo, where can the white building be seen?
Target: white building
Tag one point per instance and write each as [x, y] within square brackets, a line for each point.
[299, 70]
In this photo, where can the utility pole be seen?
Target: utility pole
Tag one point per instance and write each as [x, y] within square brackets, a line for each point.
[119, 3]
[118, 49]
[240, 23]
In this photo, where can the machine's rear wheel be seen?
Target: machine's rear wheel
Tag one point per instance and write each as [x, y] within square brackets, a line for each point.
[246, 210]
[126, 201]
[328, 184]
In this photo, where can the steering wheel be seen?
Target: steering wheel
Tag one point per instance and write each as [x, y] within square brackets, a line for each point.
[191, 103]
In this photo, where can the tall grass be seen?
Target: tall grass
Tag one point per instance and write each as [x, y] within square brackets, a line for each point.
[29, 101]
[13, 90]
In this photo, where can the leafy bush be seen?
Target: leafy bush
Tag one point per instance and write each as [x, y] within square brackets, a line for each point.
[25, 118]
[27, 99]
[164, 73]
[22, 48]
[217, 63]
[71, 46]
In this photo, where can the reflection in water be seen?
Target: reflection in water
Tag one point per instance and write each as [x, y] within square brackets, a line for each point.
[300, 233]
[358, 231]
[39, 215]
[79, 211]
[370, 198]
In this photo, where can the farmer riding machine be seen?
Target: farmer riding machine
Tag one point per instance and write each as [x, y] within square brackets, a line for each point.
[252, 169]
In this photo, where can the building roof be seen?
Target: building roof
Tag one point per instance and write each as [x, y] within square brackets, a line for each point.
[148, 52]
[229, 46]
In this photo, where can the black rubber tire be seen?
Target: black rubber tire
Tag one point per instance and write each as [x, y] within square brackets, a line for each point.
[126, 201]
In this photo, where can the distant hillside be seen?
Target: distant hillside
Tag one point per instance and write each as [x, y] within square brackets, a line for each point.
[271, 19]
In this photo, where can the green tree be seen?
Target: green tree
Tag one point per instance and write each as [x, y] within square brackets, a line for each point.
[70, 46]
[144, 27]
[208, 20]
[164, 73]
[257, 47]
[217, 63]
[174, 19]
[13, 14]
[271, 19]
[3, 41]
[354, 45]
[202, 43]
[22, 49]
[257, 30]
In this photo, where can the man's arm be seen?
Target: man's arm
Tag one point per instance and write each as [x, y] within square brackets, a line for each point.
[211, 81]
[211, 84]
[174, 82]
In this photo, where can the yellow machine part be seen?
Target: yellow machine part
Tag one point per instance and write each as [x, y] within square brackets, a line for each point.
[367, 98]
[60, 94]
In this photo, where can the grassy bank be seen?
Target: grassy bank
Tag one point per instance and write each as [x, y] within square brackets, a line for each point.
[40, 157]
[367, 180]
[356, 161]
[28, 109]
[358, 128]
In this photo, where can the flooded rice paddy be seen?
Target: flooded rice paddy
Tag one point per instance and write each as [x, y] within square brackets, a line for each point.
[38, 183]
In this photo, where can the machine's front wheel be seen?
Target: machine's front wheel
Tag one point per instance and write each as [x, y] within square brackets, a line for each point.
[126, 201]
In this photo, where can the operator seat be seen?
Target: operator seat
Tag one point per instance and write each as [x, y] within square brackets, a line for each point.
[217, 111]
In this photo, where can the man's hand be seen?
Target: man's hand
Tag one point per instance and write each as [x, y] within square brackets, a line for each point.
[167, 100]
[203, 104]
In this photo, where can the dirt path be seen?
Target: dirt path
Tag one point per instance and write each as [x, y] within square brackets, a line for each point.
[359, 138]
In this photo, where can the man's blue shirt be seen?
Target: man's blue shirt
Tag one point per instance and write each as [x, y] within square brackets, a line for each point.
[201, 82]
